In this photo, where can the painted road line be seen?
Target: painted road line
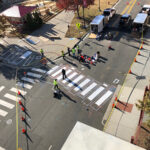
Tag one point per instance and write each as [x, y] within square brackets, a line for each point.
[88, 89]
[67, 72]
[38, 70]
[103, 98]
[94, 94]
[131, 7]
[3, 113]
[70, 77]
[6, 104]
[16, 91]
[1, 148]
[12, 97]
[75, 81]
[82, 84]
[34, 75]
[27, 80]
[24, 85]
[58, 72]
[1, 88]
[51, 70]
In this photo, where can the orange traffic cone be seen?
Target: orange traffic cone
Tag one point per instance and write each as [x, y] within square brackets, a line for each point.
[116, 98]
[134, 59]
[23, 131]
[19, 93]
[141, 47]
[109, 47]
[20, 103]
[22, 118]
[139, 53]
[22, 108]
[143, 42]
[113, 105]
[130, 71]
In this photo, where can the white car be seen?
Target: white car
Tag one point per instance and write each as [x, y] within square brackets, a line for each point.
[146, 9]
[109, 12]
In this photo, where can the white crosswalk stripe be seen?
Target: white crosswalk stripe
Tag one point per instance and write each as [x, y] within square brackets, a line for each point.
[67, 72]
[1, 148]
[81, 85]
[70, 77]
[1, 88]
[6, 104]
[95, 93]
[28, 80]
[34, 75]
[51, 70]
[58, 72]
[104, 97]
[38, 70]
[88, 89]
[24, 85]
[3, 113]
[16, 91]
[75, 81]
[12, 97]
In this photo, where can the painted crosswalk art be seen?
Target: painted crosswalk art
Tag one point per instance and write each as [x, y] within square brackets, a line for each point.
[93, 93]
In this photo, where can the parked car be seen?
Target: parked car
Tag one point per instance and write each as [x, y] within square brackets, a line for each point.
[146, 9]
[125, 20]
[109, 13]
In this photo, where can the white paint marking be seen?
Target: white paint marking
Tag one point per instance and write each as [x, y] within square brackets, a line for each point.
[28, 79]
[105, 85]
[3, 113]
[34, 75]
[70, 77]
[67, 72]
[24, 85]
[1, 148]
[12, 97]
[94, 94]
[88, 89]
[103, 98]
[116, 81]
[58, 72]
[75, 81]
[38, 70]
[51, 70]
[16, 91]
[50, 147]
[82, 84]
[1, 88]
[6, 104]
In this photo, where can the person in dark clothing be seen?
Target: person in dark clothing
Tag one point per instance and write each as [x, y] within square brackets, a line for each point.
[69, 51]
[64, 74]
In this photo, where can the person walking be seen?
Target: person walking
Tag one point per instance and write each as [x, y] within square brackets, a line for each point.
[42, 52]
[64, 74]
[69, 51]
[55, 83]
[63, 54]
[73, 52]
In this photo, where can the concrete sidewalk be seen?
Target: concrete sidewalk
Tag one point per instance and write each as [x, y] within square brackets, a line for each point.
[50, 37]
[123, 123]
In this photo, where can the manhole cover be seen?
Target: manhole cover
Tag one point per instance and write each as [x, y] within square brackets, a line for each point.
[9, 121]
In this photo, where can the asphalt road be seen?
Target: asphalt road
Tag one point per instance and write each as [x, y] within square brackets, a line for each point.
[49, 120]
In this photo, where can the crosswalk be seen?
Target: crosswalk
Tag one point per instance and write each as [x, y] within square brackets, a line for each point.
[92, 92]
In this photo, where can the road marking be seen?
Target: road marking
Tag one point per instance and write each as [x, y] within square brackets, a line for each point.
[116, 81]
[1, 148]
[82, 84]
[12, 97]
[24, 85]
[34, 75]
[3, 113]
[93, 95]
[70, 77]
[16, 91]
[88, 89]
[38, 70]
[75, 81]
[51, 70]
[105, 84]
[67, 72]
[103, 98]
[27, 79]
[58, 72]
[1, 88]
[6, 104]
[131, 7]
[50, 147]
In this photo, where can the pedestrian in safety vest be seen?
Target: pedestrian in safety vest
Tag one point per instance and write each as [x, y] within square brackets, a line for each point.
[55, 84]
[63, 54]
[42, 52]
[73, 52]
